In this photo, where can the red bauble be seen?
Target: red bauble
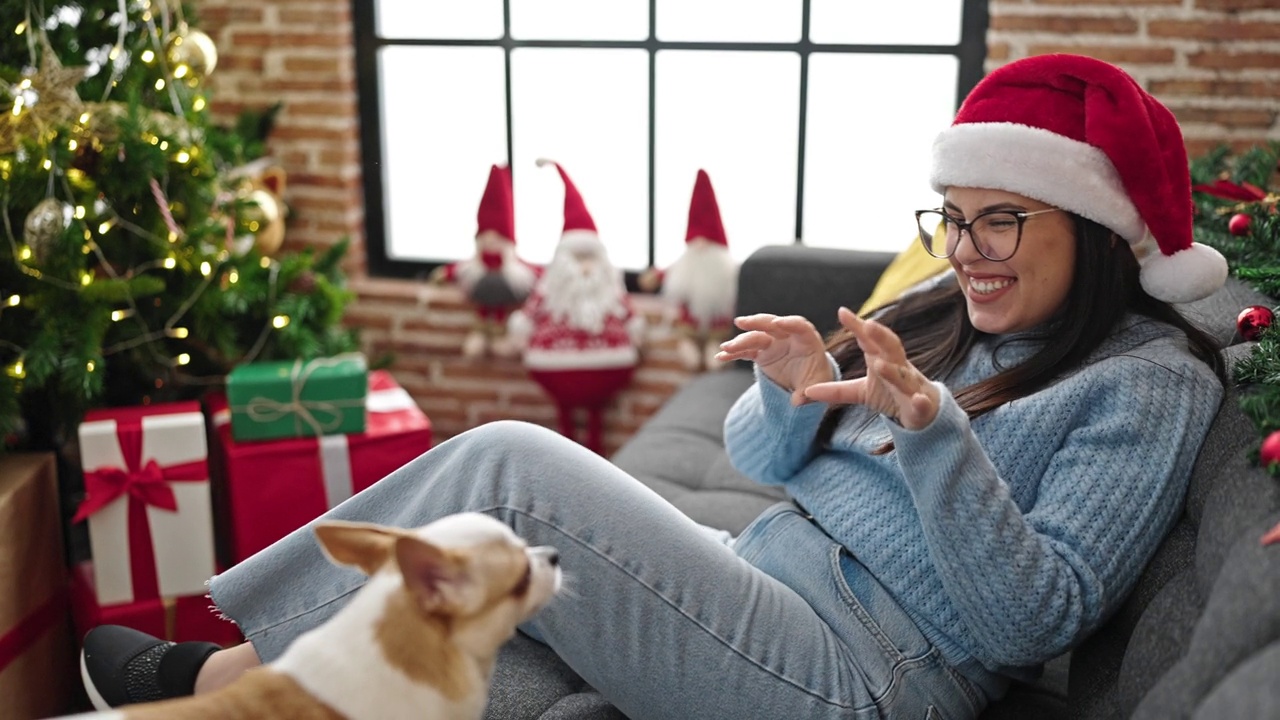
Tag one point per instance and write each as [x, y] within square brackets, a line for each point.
[1253, 320]
[1269, 453]
[1239, 224]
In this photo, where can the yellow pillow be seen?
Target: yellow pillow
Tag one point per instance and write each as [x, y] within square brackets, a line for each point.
[910, 267]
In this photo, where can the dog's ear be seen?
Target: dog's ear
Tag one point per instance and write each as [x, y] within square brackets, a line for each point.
[365, 546]
[439, 579]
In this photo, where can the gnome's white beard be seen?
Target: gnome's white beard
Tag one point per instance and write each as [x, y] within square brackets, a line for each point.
[581, 300]
[704, 280]
[520, 277]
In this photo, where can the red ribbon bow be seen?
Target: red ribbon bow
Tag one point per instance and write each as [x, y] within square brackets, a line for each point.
[145, 485]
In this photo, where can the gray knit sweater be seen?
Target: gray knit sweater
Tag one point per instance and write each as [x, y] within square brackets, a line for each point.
[1009, 538]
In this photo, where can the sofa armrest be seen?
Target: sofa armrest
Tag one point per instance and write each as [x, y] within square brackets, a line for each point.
[808, 281]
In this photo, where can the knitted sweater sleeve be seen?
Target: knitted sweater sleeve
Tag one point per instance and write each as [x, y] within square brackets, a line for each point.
[766, 437]
[1030, 582]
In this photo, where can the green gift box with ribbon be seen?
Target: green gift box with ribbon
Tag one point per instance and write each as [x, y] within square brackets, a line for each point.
[289, 399]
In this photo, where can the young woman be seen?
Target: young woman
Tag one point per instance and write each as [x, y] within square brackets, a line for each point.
[977, 476]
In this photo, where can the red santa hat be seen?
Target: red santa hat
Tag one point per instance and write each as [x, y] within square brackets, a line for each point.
[578, 225]
[704, 213]
[1082, 135]
[497, 208]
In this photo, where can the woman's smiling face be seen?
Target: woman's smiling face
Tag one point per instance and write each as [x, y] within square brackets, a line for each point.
[1028, 288]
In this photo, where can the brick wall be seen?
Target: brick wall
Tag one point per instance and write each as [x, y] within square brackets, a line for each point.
[1215, 62]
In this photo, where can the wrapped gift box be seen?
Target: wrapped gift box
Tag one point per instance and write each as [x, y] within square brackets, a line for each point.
[188, 617]
[269, 489]
[37, 655]
[292, 399]
[147, 501]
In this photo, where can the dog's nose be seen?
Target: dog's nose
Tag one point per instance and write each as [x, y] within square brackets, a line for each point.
[553, 557]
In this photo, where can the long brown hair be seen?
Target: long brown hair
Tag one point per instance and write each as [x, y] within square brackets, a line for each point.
[937, 335]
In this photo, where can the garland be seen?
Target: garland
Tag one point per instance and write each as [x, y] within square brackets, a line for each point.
[1236, 199]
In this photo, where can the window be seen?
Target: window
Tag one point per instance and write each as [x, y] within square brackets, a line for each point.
[814, 118]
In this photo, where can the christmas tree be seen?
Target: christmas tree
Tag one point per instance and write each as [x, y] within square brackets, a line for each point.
[1236, 212]
[141, 256]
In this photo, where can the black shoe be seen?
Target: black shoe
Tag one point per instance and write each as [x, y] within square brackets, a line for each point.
[120, 666]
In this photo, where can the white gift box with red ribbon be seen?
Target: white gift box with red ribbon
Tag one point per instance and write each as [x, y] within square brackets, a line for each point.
[147, 501]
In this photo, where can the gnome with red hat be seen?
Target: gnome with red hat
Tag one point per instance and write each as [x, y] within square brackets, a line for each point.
[495, 281]
[702, 285]
[578, 331]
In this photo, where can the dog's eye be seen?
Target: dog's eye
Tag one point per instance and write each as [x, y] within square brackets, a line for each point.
[522, 587]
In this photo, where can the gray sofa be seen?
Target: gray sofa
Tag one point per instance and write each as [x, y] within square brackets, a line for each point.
[1198, 638]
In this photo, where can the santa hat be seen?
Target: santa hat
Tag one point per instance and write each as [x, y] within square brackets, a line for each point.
[704, 213]
[497, 209]
[578, 225]
[1082, 135]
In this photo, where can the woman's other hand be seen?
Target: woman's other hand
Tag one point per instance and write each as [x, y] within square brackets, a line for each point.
[892, 385]
[788, 350]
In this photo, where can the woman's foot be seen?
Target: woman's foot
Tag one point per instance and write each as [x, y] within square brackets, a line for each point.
[120, 666]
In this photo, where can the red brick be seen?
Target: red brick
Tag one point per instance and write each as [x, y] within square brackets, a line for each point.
[1214, 29]
[1230, 117]
[1232, 5]
[337, 84]
[1224, 60]
[997, 51]
[315, 17]
[1065, 24]
[1119, 54]
[1126, 4]
[318, 65]
[281, 39]
[1216, 88]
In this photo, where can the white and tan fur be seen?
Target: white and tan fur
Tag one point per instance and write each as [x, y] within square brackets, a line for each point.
[419, 640]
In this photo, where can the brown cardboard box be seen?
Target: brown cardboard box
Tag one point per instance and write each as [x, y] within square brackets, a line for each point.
[37, 654]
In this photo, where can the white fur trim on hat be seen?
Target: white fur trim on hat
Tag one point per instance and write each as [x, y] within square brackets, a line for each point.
[1039, 164]
[1184, 276]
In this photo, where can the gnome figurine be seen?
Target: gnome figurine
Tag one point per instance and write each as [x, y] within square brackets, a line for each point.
[495, 281]
[578, 331]
[702, 285]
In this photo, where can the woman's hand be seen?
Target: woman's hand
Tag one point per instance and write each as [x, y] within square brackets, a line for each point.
[892, 385]
[788, 350]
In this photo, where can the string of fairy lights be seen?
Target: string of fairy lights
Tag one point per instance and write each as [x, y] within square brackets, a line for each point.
[47, 95]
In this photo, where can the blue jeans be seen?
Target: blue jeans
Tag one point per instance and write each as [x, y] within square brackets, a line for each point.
[665, 617]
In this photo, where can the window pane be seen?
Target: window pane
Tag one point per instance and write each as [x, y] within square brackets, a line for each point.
[579, 19]
[868, 146]
[736, 115]
[729, 20]
[435, 163]
[589, 110]
[439, 19]
[905, 22]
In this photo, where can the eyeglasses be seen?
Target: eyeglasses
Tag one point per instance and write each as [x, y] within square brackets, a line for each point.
[995, 234]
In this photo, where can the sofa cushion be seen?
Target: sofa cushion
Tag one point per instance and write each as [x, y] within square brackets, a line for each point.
[1241, 619]
[680, 454]
[1217, 313]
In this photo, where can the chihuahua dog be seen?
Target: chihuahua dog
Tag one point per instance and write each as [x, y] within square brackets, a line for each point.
[419, 640]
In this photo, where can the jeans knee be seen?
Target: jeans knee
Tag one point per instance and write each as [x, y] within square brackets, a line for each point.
[503, 434]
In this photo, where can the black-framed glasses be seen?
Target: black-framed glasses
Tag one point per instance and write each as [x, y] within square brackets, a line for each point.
[995, 234]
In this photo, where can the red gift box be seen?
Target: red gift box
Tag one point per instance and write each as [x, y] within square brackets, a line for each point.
[267, 489]
[147, 501]
[189, 617]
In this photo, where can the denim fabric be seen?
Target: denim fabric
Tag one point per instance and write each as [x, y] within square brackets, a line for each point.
[665, 617]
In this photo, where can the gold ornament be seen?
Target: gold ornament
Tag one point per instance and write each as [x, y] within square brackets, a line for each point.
[44, 226]
[264, 217]
[41, 99]
[191, 54]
